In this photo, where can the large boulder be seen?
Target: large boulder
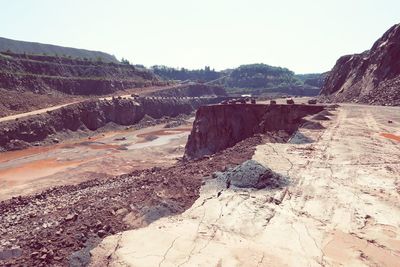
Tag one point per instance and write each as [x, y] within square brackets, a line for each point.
[246, 175]
[251, 174]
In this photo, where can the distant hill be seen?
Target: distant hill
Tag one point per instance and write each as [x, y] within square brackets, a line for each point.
[205, 75]
[371, 77]
[313, 79]
[256, 79]
[261, 79]
[20, 47]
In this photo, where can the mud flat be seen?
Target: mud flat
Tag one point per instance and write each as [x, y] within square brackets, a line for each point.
[338, 205]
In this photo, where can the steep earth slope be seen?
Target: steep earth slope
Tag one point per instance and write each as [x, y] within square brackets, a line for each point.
[38, 48]
[371, 77]
[259, 79]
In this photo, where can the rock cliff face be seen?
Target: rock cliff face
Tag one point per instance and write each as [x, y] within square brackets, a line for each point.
[217, 127]
[90, 116]
[371, 77]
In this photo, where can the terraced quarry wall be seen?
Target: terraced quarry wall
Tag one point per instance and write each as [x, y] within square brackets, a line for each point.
[43, 74]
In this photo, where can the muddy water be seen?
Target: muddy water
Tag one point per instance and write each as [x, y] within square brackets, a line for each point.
[33, 169]
[159, 138]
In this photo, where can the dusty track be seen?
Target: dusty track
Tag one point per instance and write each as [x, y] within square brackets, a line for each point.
[340, 209]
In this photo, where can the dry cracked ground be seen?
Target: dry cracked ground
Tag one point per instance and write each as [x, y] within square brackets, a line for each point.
[335, 202]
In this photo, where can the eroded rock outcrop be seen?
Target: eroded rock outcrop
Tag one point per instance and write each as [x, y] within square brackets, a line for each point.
[371, 77]
[217, 127]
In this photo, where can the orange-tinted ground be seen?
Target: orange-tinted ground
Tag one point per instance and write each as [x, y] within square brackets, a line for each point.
[391, 136]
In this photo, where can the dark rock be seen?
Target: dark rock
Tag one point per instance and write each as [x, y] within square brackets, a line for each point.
[246, 175]
[98, 225]
[10, 253]
[101, 233]
[71, 217]
[34, 254]
[155, 169]
[16, 145]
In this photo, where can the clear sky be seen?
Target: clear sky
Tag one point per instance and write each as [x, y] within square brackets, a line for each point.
[302, 35]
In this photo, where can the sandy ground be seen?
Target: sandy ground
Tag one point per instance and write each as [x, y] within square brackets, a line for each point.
[341, 207]
[35, 169]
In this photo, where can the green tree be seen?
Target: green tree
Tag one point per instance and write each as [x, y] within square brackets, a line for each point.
[125, 61]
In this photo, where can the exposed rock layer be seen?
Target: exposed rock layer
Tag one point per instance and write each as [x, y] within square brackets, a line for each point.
[72, 76]
[217, 127]
[371, 77]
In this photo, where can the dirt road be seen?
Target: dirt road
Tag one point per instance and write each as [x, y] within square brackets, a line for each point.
[35, 112]
[340, 207]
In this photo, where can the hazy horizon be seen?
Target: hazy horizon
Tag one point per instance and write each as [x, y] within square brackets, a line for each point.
[305, 37]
